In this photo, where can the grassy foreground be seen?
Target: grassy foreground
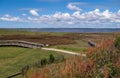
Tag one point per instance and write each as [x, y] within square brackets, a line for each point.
[12, 59]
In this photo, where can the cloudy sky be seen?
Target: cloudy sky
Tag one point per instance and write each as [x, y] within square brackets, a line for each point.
[59, 13]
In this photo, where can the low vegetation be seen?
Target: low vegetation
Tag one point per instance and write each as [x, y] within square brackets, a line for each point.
[13, 59]
[117, 42]
[71, 48]
[23, 32]
[102, 61]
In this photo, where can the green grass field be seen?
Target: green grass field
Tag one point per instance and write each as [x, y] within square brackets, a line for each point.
[12, 59]
[71, 48]
[80, 46]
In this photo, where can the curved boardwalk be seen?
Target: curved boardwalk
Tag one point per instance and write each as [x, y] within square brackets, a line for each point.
[27, 44]
[20, 43]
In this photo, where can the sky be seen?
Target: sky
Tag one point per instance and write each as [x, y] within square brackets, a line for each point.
[59, 13]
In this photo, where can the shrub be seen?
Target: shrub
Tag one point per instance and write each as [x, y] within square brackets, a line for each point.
[43, 62]
[51, 58]
[102, 61]
[117, 42]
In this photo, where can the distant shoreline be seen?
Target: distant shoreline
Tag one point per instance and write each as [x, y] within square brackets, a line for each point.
[72, 30]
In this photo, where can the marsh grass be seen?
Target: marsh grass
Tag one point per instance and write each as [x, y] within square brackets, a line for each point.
[12, 59]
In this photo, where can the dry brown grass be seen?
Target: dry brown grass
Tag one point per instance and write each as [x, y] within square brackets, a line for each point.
[87, 68]
[68, 38]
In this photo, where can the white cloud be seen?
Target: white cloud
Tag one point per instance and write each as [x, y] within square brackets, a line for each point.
[59, 15]
[28, 9]
[34, 12]
[118, 12]
[73, 6]
[7, 17]
[24, 14]
[107, 14]
[95, 17]
[77, 15]
[91, 18]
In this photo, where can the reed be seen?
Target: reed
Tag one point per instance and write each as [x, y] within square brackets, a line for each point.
[102, 61]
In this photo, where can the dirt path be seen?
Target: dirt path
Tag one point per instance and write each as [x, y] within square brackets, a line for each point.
[63, 51]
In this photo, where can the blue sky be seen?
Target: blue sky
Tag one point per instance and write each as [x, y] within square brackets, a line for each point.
[59, 14]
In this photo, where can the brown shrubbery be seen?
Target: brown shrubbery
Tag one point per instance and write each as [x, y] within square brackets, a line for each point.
[44, 39]
[68, 38]
[102, 61]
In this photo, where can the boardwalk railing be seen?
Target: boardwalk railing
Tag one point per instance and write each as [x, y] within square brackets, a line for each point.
[20, 43]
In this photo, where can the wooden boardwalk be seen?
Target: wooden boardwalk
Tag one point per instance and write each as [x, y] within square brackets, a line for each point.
[27, 44]
[20, 43]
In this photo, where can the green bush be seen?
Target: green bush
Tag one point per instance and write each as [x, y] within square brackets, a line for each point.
[51, 58]
[43, 62]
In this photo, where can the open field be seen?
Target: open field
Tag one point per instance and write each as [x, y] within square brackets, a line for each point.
[77, 42]
[12, 59]
[22, 32]
[67, 41]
